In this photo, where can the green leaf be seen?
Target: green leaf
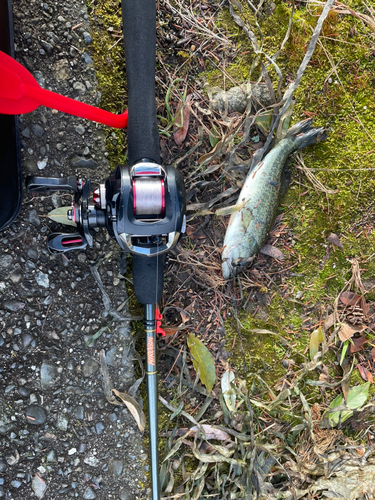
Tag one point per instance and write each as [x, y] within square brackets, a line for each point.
[264, 120]
[358, 396]
[60, 215]
[214, 136]
[343, 352]
[339, 416]
[202, 361]
[316, 338]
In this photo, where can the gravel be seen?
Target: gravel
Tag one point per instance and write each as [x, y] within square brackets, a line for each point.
[59, 437]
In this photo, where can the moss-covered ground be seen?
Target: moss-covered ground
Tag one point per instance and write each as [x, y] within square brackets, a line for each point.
[337, 89]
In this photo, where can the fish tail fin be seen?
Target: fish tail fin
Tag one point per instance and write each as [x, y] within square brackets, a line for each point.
[304, 134]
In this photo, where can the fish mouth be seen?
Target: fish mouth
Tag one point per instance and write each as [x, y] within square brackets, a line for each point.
[231, 267]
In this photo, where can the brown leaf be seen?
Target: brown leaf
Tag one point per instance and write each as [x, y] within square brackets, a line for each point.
[324, 376]
[347, 331]
[373, 353]
[272, 251]
[357, 344]
[181, 129]
[350, 298]
[184, 316]
[133, 407]
[335, 240]
[330, 321]
[365, 374]
[365, 307]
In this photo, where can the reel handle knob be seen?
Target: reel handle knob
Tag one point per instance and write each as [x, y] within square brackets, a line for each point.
[65, 242]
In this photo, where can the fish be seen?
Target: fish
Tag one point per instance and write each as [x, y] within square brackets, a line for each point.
[250, 223]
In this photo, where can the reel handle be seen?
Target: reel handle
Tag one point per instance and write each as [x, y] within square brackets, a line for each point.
[43, 184]
[65, 242]
[139, 26]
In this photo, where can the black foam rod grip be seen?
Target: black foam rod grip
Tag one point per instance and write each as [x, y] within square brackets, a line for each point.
[148, 278]
[139, 26]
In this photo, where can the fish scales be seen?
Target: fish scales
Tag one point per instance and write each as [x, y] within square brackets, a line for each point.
[248, 227]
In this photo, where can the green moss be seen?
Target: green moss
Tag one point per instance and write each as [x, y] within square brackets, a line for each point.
[107, 52]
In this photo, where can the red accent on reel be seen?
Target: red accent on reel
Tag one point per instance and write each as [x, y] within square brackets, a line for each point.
[162, 197]
[96, 197]
[134, 198]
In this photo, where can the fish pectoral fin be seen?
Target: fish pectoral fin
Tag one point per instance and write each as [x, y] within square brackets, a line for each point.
[233, 208]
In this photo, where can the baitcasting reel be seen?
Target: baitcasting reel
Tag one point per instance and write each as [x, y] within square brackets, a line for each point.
[142, 207]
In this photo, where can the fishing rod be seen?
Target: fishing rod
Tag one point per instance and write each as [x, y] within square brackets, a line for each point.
[142, 205]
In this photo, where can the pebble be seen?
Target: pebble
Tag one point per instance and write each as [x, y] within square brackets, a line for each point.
[36, 415]
[89, 494]
[79, 413]
[116, 466]
[2, 492]
[26, 133]
[48, 47]
[51, 457]
[80, 162]
[49, 374]
[90, 367]
[87, 58]
[3, 466]
[5, 261]
[81, 90]
[14, 306]
[87, 37]
[42, 163]
[80, 129]
[62, 422]
[99, 428]
[111, 357]
[37, 130]
[90, 459]
[26, 340]
[125, 495]
[9, 388]
[38, 486]
[16, 483]
[32, 253]
[34, 218]
[24, 391]
[42, 279]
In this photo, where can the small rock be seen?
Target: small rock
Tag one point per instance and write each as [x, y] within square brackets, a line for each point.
[48, 47]
[42, 279]
[2, 492]
[62, 422]
[62, 69]
[16, 483]
[80, 162]
[89, 494]
[80, 129]
[111, 357]
[12, 457]
[72, 451]
[56, 200]
[34, 218]
[87, 58]
[99, 428]
[51, 457]
[26, 133]
[38, 486]
[26, 340]
[42, 163]
[81, 89]
[36, 415]
[126, 495]
[79, 413]
[23, 391]
[90, 367]
[9, 388]
[32, 253]
[3, 466]
[87, 37]
[49, 375]
[5, 260]
[37, 130]
[14, 306]
[90, 459]
[116, 466]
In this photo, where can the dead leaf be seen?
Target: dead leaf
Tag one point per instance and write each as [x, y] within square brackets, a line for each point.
[373, 353]
[273, 252]
[184, 316]
[133, 407]
[330, 321]
[347, 331]
[335, 240]
[181, 129]
[365, 374]
[324, 375]
[350, 298]
[364, 306]
[357, 344]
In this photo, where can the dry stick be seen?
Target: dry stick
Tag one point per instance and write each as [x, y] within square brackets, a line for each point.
[288, 96]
